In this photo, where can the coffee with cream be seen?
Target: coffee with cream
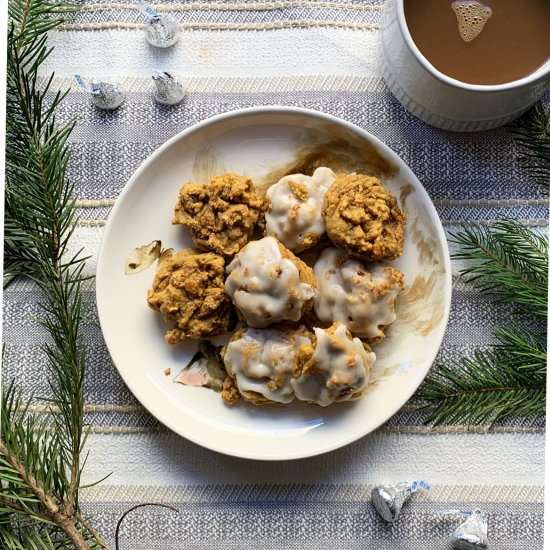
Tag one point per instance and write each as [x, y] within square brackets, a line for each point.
[482, 42]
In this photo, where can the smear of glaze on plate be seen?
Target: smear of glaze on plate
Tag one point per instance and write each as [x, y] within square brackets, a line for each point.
[337, 149]
[206, 165]
[420, 305]
[404, 193]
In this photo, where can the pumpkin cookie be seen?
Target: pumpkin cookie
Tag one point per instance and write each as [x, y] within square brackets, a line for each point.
[188, 290]
[221, 214]
[268, 284]
[335, 368]
[360, 295]
[260, 363]
[294, 209]
[363, 218]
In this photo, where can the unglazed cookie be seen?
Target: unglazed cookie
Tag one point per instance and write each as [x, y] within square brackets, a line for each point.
[260, 364]
[188, 289]
[294, 209]
[363, 218]
[335, 368]
[221, 214]
[360, 295]
[269, 284]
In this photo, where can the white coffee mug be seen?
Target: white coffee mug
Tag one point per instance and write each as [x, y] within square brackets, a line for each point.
[443, 101]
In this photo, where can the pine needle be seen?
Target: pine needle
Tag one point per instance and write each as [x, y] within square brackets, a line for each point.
[532, 133]
[40, 462]
[482, 390]
[509, 263]
[522, 350]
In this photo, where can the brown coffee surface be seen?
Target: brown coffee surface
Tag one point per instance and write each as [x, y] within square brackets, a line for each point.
[507, 39]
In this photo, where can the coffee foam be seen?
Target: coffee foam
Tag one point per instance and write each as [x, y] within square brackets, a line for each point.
[471, 17]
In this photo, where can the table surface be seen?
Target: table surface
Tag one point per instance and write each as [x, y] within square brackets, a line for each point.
[322, 55]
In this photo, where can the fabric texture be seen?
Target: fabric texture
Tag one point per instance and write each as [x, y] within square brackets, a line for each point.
[321, 55]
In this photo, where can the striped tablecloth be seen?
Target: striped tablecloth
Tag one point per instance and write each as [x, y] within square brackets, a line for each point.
[322, 55]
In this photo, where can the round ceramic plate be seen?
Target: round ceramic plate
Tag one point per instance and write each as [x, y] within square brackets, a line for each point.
[266, 144]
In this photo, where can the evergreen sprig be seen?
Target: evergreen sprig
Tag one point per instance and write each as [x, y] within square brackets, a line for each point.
[40, 457]
[482, 390]
[533, 140]
[508, 381]
[509, 263]
[35, 483]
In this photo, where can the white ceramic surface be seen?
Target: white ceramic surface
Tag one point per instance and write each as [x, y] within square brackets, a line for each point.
[443, 101]
[258, 142]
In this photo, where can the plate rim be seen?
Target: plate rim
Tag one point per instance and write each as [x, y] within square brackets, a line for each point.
[426, 201]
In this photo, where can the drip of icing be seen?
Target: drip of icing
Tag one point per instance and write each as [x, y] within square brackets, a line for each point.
[341, 371]
[264, 286]
[261, 361]
[471, 17]
[362, 296]
[296, 201]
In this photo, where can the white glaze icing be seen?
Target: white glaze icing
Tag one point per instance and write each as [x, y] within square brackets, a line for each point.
[290, 218]
[261, 361]
[342, 366]
[264, 286]
[360, 295]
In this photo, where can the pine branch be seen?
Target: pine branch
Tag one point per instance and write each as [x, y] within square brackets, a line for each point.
[40, 465]
[33, 479]
[522, 350]
[533, 140]
[483, 390]
[509, 262]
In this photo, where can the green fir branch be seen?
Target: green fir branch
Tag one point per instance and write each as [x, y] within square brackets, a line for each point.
[522, 349]
[40, 464]
[509, 263]
[532, 133]
[482, 390]
[34, 482]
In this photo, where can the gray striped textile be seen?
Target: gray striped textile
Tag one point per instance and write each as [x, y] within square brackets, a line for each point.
[472, 178]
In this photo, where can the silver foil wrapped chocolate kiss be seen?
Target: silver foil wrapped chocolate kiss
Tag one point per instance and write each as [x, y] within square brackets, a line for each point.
[104, 94]
[161, 30]
[472, 534]
[107, 94]
[389, 499]
[168, 90]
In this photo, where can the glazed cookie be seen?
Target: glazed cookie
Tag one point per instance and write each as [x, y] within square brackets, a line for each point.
[335, 369]
[188, 290]
[294, 209]
[360, 295]
[260, 364]
[269, 284]
[363, 218]
[221, 214]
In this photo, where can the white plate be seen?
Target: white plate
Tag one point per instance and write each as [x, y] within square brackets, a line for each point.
[256, 142]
